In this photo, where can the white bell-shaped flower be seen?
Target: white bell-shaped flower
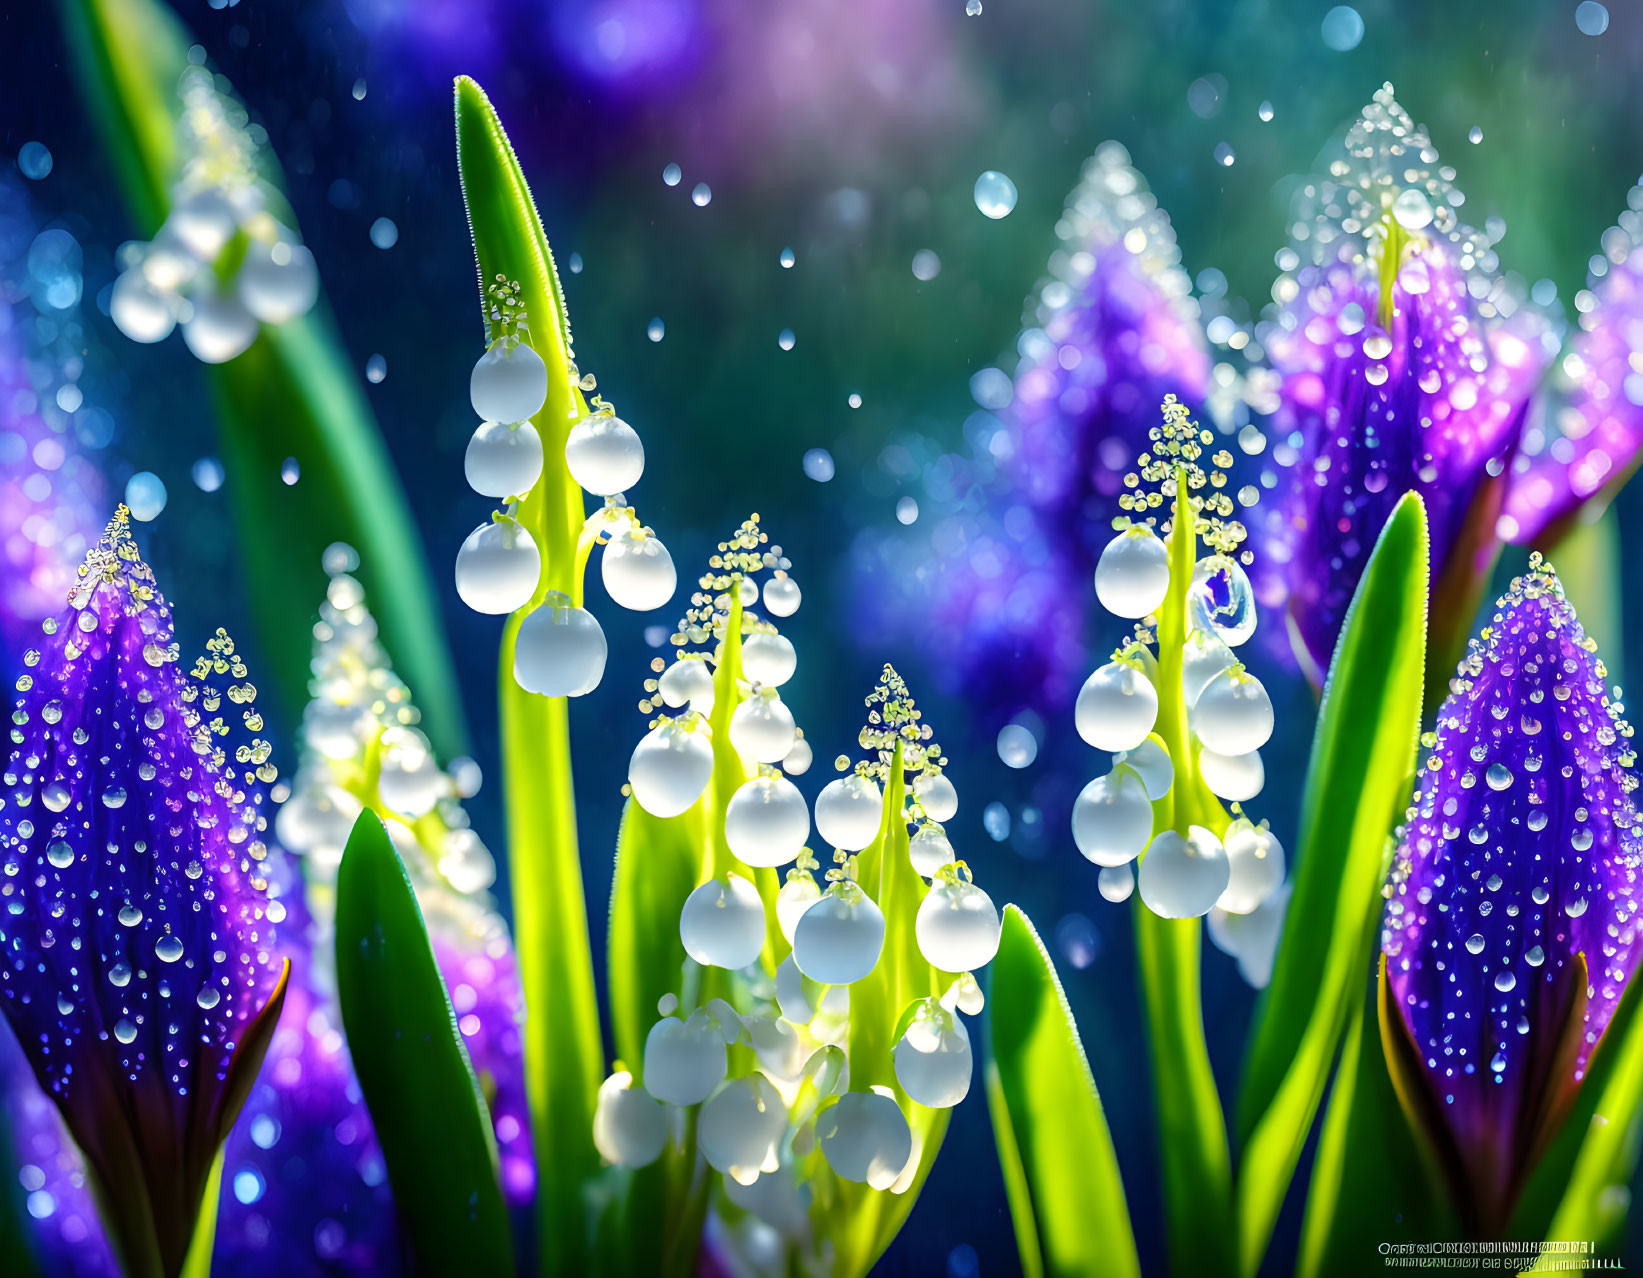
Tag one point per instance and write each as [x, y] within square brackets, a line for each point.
[1115, 883]
[203, 222]
[684, 1059]
[930, 849]
[139, 310]
[1237, 778]
[688, 681]
[849, 811]
[1256, 861]
[503, 460]
[410, 781]
[767, 822]
[865, 1138]
[219, 327]
[498, 567]
[1252, 938]
[762, 728]
[781, 596]
[1233, 714]
[957, 926]
[768, 658]
[560, 650]
[838, 939]
[278, 282]
[1203, 656]
[791, 996]
[1116, 707]
[1112, 818]
[798, 759]
[1183, 878]
[671, 766]
[776, 1045]
[740, 1128]
[937, 795]
[1152, 761]
[605, 455]
[638, 571]
[337, 731]
[1132, 575]
[796, 895]
[629, 1124]
[509, 383]
[933, 1059]
[722, 923]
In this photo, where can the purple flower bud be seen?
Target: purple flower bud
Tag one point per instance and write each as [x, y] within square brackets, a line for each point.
[1510, 930]
[138, 970]
[1590, 437]
[1402, 364]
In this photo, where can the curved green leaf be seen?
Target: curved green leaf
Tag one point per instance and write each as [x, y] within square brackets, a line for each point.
[1358, 782]
[564, 1053]
[1060, 1171]
[425, 1103]
[293, 393]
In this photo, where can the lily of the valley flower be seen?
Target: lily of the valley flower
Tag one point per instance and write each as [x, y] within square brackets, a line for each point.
[1403, 364]
[998, 595]
[140, 969]
[1186, 722]
[1510, 930]
[1589, 437]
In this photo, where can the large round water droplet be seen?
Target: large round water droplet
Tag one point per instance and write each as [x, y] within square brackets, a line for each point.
[995, 194]
[930, 849]
[957, 927]
[139, 310]
[1221, 599]
[629, 1124]
[838, 939]
[781, 596]
[605, 455]
[1183, 878]
[688, 681]
[498, 567]
[722, 923]
[503, 460]
[849, 812]
[1233, 714]
[278, 282]
[208, 997]
[739, 1129]
[125, 1031]
[1412, 210]
[638, 571]
[508, 384]
[559, 651]
[1112, 818]
[684, 1060]
[60, 854]
[767, 822]
[865, 1139]
[937, 796]
[670, 768]
[1116, 707]
[1132, 575]
[130, 915]
[1237, 778]
[768, 658]
[1499, 776]
[168, 948]
[762, 729]
[1255, 861]
[219, 328]
[933, 1059]
[1115, 883]
[1152, 761]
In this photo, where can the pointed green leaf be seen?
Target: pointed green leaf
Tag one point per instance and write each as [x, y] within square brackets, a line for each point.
[1060, 1171]
[292, 394]
[425, 1103]
[564, 1052]
[1358, 783]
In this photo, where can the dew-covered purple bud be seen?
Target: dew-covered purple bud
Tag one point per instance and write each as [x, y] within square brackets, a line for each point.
[1399, 367]
[1591, 434]
[139, 969]
[1510, 929]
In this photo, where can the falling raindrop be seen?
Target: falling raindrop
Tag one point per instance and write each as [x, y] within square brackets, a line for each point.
[1017, 746]
[1264, 112]
[995, 819]
[1225, 155]
[701, 194]
[926, 265]
[972, 8]
[291, 471]
[376, 368]
[671, 175]
[656, 330]
[384, 233]
[1591, 17]
[995, 194]
[787, 258]
[1475, 136]
[906, 510]
[818, 465]
[785, 339]
[1342, 29]
[145, 495]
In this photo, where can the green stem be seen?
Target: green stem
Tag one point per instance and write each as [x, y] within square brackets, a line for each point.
[1196, 1158]
[197, 1263]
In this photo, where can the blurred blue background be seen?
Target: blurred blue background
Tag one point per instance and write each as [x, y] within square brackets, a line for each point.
[852, 132]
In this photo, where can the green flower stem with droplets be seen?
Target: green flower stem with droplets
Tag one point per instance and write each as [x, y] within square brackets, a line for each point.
[1197, 1162]
[563, 1049]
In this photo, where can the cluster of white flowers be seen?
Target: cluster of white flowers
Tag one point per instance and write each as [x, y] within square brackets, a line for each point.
[776, 1064]
[223, 263]
[1206, 729]
[560, 650]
